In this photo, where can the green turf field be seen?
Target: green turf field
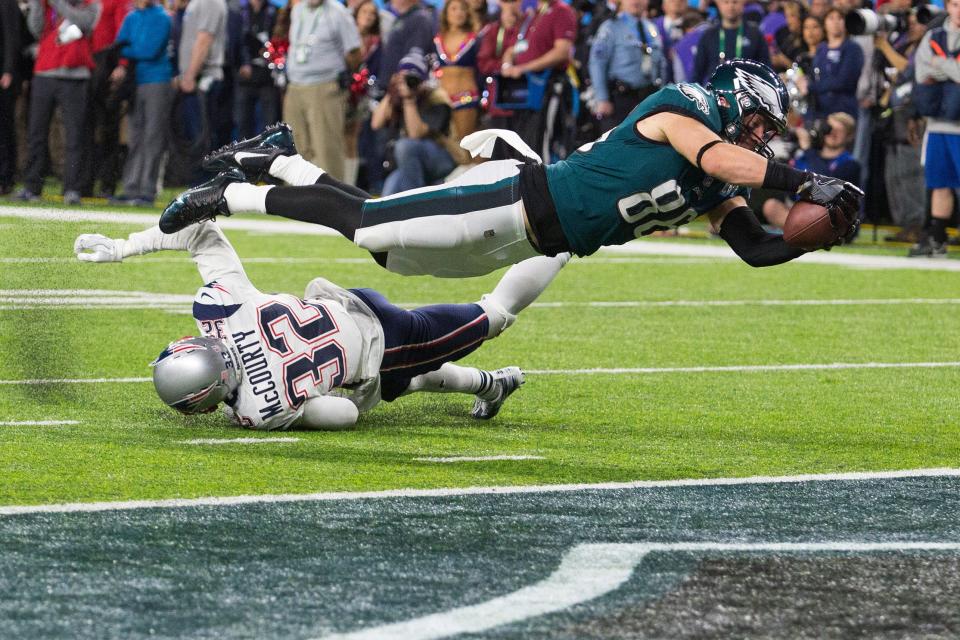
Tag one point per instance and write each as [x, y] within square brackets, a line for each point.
[660, 363]
[577, 426]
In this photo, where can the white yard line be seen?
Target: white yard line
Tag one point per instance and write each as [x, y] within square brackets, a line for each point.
[261, 225]
[638, 247]
[855, 260]
[120, 299]
[476, 458]
[77, 381]
[236, 440]
[838, 366]
[39, 423]
[589, 571]
[219, 501]
[746, 368]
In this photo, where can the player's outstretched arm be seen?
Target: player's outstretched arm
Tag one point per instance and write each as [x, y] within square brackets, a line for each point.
[209, 248]
[741, 230]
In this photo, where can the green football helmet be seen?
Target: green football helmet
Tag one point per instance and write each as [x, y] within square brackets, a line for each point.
[746, 90]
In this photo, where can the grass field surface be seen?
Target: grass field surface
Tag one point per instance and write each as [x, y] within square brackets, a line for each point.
[669, 360]
[613, 312]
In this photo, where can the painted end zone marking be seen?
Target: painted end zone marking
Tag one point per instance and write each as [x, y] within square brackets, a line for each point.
[39, 423]
[236, 440]
[216, 501]
[477, 458]
[589, 571]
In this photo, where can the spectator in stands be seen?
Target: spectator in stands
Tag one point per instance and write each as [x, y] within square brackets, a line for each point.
[324, 51]
[544, 43]
[101, 147]
[367, 18]
[480, 12]
[145, 35]
[421, 114]
[61, 75]
[903, 171]
[819, 8]
[413, 28]
[731, 38]
[200, 55]
[828, 154]
[685, 49]
[939, 66]
[256, 90]
[670, 26]
[627, 62]
[10, 19]
[496, 41]
[456, 46]
[836, 71]
[813, 35]
[789, 38]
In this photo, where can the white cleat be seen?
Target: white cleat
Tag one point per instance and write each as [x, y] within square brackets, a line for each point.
[506, 381]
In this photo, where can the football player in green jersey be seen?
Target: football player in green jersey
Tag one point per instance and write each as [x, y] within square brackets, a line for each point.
[687, 150]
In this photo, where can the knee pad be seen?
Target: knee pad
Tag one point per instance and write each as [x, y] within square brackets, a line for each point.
[498, 317]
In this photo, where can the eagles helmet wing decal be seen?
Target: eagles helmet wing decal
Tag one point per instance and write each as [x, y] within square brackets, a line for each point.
[761, 90]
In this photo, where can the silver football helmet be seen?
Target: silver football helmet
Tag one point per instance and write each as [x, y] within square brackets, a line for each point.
[193, 375]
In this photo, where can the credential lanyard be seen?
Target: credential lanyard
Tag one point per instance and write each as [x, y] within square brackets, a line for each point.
[738, 47]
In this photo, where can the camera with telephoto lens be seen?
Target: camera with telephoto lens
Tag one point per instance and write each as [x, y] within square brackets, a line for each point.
[413, 81]
[866, 22]
[818, 131]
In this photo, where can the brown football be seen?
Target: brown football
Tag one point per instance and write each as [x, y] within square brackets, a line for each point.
[808, 226]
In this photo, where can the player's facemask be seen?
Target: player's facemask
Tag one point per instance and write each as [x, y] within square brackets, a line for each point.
[756, 132]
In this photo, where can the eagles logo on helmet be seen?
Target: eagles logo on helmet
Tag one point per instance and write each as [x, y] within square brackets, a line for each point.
[747, 91]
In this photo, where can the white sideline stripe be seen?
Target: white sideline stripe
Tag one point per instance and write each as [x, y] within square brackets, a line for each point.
[119, 299]
[477, 458]
[236, 440]
[319, 260]
[857, 260]
[589, 571]
[39, 423]
[148, 220]
[220, 501]
[748, 368]
[611, 371]
[77, 381]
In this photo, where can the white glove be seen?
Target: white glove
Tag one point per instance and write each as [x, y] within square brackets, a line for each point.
[93, 247]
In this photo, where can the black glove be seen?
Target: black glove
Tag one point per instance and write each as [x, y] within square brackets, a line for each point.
[841, 199]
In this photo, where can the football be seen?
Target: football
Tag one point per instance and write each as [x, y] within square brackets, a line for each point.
[808, 226]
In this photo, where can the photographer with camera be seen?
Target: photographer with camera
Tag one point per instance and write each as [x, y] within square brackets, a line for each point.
[936, 94]
[420, 113]
[825, 150]
[902, 130]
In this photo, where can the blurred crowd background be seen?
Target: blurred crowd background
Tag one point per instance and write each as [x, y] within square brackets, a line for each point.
[117, 98]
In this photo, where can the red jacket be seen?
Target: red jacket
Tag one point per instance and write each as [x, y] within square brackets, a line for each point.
[52, 55]
[112, 14]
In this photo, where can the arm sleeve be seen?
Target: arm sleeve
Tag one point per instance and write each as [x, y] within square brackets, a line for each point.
[600, 53]
[84, 16]
[206, 243]
[349, 34]
[742, 231]
[487, 61]
[153, 43]
[923, 61]
[10, 22]
[35, 17]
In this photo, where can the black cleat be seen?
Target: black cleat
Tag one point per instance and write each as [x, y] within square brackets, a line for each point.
[203, 202]
[506, 381]
[253, 156]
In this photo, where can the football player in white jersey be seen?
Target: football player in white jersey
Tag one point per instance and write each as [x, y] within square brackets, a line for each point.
[278, 361]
